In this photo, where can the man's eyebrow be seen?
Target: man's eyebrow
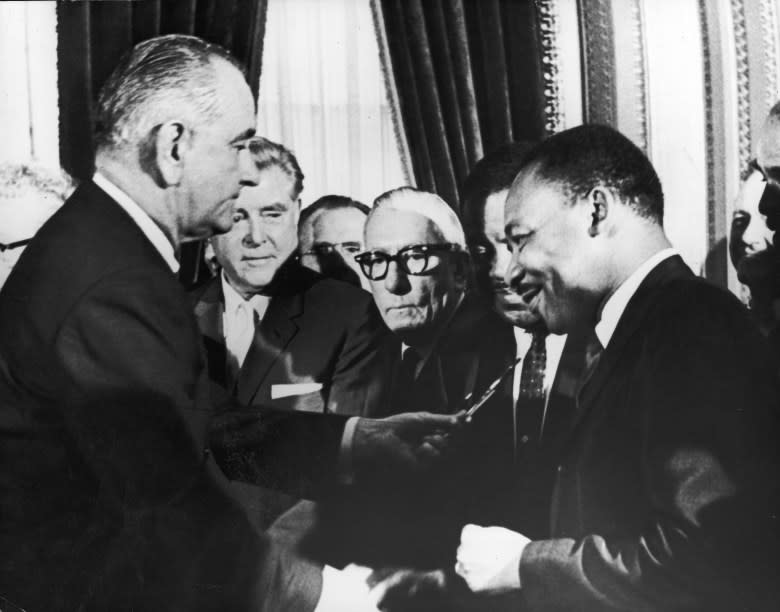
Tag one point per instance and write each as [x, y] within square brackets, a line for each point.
[245, 135]
[275, 206]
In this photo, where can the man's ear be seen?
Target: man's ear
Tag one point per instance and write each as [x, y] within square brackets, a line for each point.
[297, 210]
[171, 145]
[600, 201]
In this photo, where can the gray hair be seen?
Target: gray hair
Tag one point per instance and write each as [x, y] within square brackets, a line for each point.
[157, 78]
[408, 199]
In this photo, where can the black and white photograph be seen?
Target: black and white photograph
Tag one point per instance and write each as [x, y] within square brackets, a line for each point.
[389, 305]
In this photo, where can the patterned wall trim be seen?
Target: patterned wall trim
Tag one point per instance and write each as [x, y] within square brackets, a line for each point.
[630, 71]
[547, 14]
[639, 75]
[599, 59]
[768, 21]
[743, 81]
[709, 121]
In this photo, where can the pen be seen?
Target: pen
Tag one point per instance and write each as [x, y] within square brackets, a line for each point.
[489, 391]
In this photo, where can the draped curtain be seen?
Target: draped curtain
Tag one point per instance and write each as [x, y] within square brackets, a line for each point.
[468, 74]
[92, 36]
[322, 95]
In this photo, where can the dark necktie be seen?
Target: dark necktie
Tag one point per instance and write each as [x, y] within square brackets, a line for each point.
[593, 351]
[531, 397]
[404, 383]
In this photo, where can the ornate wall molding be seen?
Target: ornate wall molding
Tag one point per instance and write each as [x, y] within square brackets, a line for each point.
[743, 82]
[709, 122]
[599, 57]
[547, 12]
[768, 21]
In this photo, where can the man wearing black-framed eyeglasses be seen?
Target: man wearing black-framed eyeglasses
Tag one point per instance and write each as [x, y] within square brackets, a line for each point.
[444, 349]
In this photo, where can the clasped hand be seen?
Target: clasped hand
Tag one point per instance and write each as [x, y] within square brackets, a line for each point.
[406, 443]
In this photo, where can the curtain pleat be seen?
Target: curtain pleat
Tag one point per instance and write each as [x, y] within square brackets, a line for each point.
[93, 36]
[469, 79]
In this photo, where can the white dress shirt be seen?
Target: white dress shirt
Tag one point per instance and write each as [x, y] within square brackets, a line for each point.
[616, 303]
[147, 225]
[238, 322]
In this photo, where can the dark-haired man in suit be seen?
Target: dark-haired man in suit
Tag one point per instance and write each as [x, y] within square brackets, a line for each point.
[667, 489]
[110, 498]
[278, 334]
[543, 387]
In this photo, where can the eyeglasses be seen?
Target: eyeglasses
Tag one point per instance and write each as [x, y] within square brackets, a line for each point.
[415, 259]
[324, 249]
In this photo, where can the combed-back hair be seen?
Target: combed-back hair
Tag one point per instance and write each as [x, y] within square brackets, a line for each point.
[331, 202]
[410, 199]
[587, 156]
[491, 174]
[157, 80]
[267, 154]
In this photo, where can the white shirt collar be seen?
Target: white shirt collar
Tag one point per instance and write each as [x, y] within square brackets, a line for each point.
[150, 229]
[617, 302]
[233, 298]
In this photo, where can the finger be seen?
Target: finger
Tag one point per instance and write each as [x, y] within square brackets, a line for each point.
[470, 533]
[439, 441]
[427, 453]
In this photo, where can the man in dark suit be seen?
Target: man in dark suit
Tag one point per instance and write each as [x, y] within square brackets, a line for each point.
[110, 498]
[446, 347]
[543, 388]
[278, 334]
[666, 494]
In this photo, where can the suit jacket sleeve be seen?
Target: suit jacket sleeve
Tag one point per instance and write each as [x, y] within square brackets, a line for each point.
[137, 413]
[706, 405]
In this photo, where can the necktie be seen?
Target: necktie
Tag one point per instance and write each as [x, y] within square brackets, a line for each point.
[534, 364]
[529, 410]
[242, 332]
[404, 384]
[593, 351]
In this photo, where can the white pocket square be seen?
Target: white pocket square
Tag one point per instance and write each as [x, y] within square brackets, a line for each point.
[279, 391]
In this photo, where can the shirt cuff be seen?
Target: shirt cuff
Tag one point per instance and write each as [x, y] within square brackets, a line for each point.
[346, 471]
[345, 589]
[510, 575]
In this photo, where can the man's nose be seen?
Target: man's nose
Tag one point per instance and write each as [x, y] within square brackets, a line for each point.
[514, 272]
[500, 264]
[396, 280]
[256, 234]
[248, 172]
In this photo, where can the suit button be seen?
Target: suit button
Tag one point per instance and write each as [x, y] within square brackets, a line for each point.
[524, 440]
[560, 469]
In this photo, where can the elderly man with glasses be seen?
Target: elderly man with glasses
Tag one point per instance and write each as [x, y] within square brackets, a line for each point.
[442, 357]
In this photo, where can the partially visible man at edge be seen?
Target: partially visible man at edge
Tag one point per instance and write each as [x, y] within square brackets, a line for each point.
[667, 490]
[109, 496]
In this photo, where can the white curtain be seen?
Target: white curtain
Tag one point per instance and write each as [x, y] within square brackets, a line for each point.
[322, 95]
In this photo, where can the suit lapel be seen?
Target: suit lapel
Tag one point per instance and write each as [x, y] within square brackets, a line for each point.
[208, 313]
[274, 334]
[629, 324]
